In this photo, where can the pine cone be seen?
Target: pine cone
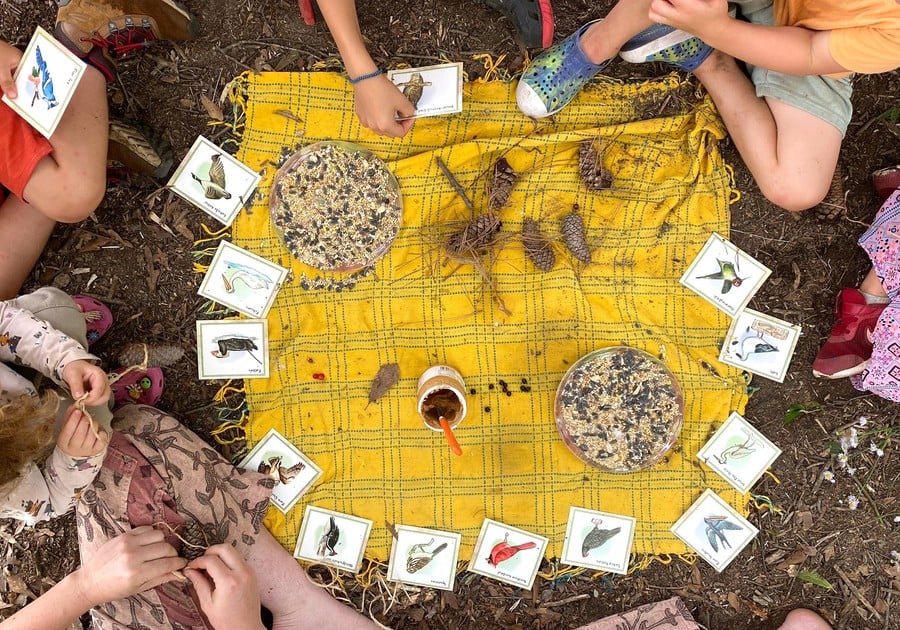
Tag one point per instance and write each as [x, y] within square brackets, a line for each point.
[476, 236]
[501, 184]
[195, 540]
[158, 354]
[572, 228]
[834, 206]
[538, 248]
[594, 175]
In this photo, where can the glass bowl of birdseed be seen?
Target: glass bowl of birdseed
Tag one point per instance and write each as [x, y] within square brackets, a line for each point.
[336, 206]
[619, 409]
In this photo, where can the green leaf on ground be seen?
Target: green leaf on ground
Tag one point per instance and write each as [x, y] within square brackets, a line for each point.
[795, 411]
[814, 578]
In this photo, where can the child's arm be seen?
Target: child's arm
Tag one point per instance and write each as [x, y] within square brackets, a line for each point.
[9, 61]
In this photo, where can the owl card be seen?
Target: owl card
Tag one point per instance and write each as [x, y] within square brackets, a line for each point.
[714, 529]
[214, 181]
[242, 281]
[232, 348]
[739, 453]
[598, 540]
[424, 557]
[294, 473]
[724, 275]
[332, 538]
[45, 79]
[507, 554]
[760, 344]
[433, 90]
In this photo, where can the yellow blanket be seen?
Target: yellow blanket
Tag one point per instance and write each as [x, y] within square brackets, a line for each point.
[670, 190]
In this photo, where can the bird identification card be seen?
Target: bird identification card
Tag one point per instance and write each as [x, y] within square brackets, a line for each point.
[424, 557]
[232, 348]
[507, 554]
[760, 344]
[332, 538]
[432, 90]
[294, 473]
[242, 281]
[714, 530]
[739, 453]
[724, 275]
[214, 181]
[598, 540]
[46, 79]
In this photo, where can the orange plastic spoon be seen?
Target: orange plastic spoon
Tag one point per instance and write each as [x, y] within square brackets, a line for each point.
[451, 439]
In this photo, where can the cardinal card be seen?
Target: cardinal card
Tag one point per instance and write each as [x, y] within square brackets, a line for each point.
[424, 557]
[214, 181]
[45, 80]
[232, 348]
[507, 554]
[598, 540]
[724, 275]
[294, 473]
[760, 344]
[433, 90]
[332, 538]
[242, 281]
[714, 529]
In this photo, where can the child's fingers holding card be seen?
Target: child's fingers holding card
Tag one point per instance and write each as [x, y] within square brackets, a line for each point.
[9, 61]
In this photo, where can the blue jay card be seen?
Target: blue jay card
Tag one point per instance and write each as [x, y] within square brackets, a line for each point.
[714, 530]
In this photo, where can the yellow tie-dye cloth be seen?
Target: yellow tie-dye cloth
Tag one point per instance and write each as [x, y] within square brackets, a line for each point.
[670, 190]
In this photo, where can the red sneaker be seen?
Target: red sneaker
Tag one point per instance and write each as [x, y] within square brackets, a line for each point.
[849, 347]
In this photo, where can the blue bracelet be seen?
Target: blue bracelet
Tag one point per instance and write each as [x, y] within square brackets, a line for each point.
[378, 72]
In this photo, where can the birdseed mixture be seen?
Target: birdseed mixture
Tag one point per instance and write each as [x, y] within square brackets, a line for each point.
[336, 209]
[619, 410]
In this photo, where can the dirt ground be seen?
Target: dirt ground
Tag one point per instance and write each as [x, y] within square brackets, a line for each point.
[813, 549]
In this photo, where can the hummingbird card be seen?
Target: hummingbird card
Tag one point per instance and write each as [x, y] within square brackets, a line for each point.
[424, 557]
[232, 348]
[294, 473]
[242, 281]
[724, 275]
[739, 453]
[45, 79]
[507, 554]
[714, 529]
[598, 540]
[214, 181]
[760, 344]
[432, 90]
[332, 538]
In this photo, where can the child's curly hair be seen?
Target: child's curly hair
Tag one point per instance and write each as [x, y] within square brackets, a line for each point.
[26, 431]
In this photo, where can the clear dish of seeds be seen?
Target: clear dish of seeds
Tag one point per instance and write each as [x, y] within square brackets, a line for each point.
[619, 409]
[336, 206]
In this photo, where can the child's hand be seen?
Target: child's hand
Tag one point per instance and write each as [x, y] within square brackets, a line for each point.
[77, 439]
[84, 377]
[378, 105]
[697, 17]
[9, 61]
[226, 588]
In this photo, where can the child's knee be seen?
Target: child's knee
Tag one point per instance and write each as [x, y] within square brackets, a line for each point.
[81, 198]
[794, 198]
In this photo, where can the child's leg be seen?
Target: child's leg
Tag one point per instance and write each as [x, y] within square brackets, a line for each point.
[24, 231]
[605, 38]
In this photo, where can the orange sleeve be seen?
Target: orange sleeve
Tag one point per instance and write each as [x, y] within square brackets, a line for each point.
[866, 50]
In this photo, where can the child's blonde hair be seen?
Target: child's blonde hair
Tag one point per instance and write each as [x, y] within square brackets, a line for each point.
[26, 431]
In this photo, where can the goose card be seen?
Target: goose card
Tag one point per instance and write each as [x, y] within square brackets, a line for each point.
[232, 348]
[242, 281]
[45, 79]
[507, 554]
[760, 344]
[714, 530]
[294, 473]
[433, 90]
[214, 181]
[424, 557]
[739, 453]
[332, 538]
[598, 540]
[724, 275]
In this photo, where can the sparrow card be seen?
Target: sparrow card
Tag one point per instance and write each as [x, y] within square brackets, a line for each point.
[433, 90]
[424, 557]
[760, 344]
[507, 554]
[242, 281]
[739, 453]
[232, 348]
[294, 473]
[598, 540]
[214, 181]
[332, 538]
[45, 79]
[714, 530]
[724, 275]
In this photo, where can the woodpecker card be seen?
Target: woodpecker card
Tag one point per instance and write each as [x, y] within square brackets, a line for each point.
[507, 554]
[294, 473]
[424, 557]
[432, 90]
[598, 540]
[232, 348]
[242, 281]
[332, 538]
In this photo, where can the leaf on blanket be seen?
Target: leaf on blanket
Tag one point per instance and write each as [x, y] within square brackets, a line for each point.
[385, 379]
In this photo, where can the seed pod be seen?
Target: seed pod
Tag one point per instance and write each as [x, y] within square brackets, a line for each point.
[478, 235]
[572, 228]
[195, 542]
[594, 175]
[501, 184]
[538, 248]
[156, 354]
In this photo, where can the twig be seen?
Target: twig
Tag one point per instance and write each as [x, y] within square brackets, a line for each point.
[453, 182]
[856, 593]
[567, 600]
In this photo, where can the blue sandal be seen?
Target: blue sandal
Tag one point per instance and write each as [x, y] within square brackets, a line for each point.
[668, 45]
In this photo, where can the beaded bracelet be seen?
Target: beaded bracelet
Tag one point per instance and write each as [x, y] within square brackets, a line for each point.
[377, 73]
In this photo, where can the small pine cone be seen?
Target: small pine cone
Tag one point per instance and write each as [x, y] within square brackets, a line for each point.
[572, 228]
[477, 235]
[501, 184]
[194, 543]
[157, 354]
[594, 175]
[538, 248]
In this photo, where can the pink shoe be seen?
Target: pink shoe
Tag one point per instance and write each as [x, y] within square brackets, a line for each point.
[140, 387]
[98, 318]
[848, 349]
[886, 181]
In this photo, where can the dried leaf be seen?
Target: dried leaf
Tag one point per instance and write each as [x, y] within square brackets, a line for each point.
[814, 578]
[391, 528]
[214, 111]
[288, 114]
[385, 379]
[734, 601]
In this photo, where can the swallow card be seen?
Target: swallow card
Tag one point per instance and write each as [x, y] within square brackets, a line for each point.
[507, 554]
[433, 90]
[714, 530]
[598, 540]
[242, 281]
[45, 81]
[739, 453]
[294, 473]
[332, 538]
[725, 276]
[232, 348]
[424, 557]
[214, 181]
[760, 344]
